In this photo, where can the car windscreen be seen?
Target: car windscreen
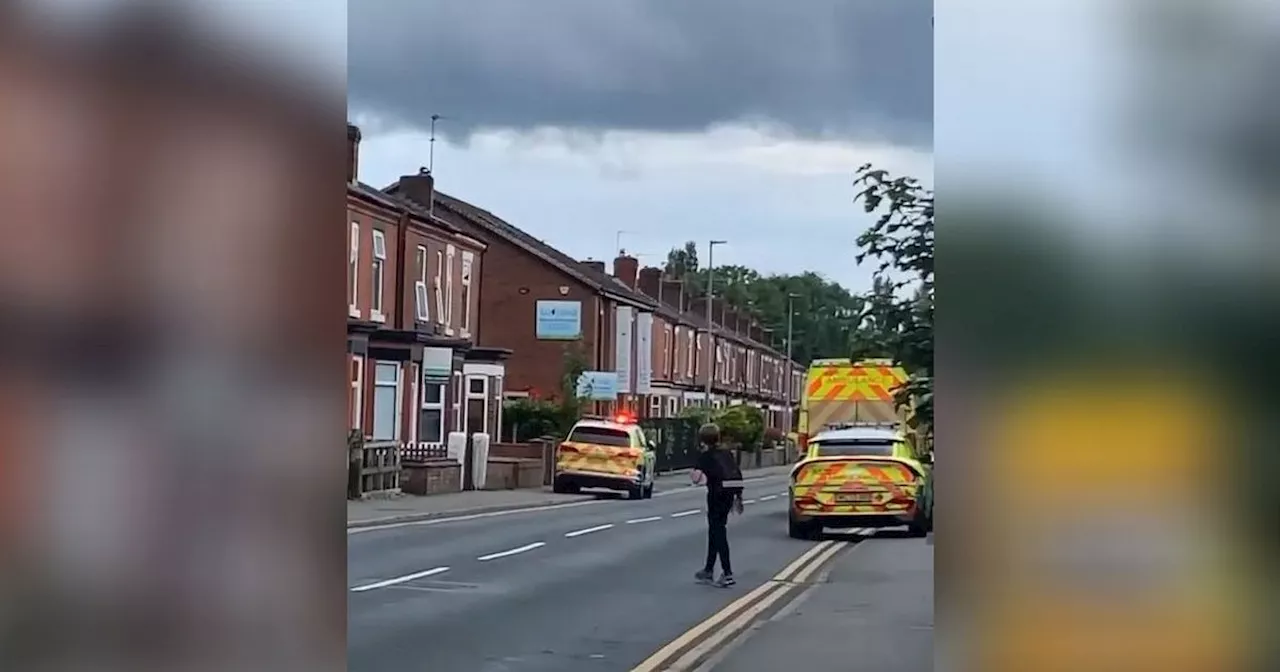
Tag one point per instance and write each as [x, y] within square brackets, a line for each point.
[855, 448]
[600, 436]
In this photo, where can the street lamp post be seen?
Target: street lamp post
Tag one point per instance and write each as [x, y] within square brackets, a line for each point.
[790, 382]
[711, 336]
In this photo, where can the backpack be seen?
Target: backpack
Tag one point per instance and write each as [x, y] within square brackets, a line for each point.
[730, 474]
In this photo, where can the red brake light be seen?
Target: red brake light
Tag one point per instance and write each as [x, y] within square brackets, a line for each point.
[566, 448]
[624, 419]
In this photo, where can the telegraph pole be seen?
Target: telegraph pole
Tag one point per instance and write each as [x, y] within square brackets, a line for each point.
[790, 382]
[711, 334]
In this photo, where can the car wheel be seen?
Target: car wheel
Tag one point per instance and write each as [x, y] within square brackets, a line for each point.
[919, 525]
[799, 530]
[563, 486]
[635, 491]
[648, 491]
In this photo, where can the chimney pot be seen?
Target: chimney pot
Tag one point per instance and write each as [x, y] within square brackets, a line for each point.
[649, 281]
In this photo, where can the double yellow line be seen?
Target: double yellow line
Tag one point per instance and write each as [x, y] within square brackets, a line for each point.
[689, 649]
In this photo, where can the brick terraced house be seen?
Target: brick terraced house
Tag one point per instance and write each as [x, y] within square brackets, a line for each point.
[539, 304]
[416, 373]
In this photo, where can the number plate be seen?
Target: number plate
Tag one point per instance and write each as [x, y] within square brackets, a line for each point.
[855, 497]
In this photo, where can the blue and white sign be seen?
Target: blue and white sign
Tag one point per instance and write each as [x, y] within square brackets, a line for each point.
[598, 385]
[559, 320]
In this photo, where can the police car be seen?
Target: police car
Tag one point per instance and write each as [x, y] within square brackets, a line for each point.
[611, 453]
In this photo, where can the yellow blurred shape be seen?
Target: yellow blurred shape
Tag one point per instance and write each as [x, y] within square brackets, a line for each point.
[1136, 433]
[1071, 637]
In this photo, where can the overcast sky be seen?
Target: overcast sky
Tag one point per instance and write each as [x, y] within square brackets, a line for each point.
[576, 119]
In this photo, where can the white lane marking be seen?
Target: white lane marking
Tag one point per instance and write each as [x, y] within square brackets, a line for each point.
[650, 519]
[750, 501]
[690, 512]
[400, 579]
[768, 497]
[523, 549]
[589, 530]
[867, 532]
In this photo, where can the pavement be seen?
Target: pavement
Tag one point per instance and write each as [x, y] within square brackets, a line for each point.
[380, 510]
[871, 609]
[596, 584]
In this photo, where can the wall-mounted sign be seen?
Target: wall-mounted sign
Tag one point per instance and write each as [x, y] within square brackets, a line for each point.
[623, 344]
[598, 385]
[559, 320]
[644, 353]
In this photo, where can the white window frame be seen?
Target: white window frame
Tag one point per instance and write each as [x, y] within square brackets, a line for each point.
[438, 288]
[457, 391]
[436, 405]
[498, 385]
[398, 416]
[673, 407]
[414, 375]
[482, 395]
[689, 365]
[379, 281]
[353, 267]
[697, 359]
[357, 394]
[666, 351]
[655, 406]
[468, 264]
[450, 251]
[422, 312]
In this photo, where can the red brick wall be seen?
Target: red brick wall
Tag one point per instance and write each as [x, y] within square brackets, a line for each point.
[513, 281]
[369, 219]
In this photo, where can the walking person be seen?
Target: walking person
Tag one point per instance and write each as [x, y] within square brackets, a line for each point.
[717, 468]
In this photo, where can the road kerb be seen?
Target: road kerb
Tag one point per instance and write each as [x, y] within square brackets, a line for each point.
[745, 609]
[471, 513]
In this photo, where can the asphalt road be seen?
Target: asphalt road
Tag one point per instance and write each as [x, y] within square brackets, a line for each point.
[597, 586]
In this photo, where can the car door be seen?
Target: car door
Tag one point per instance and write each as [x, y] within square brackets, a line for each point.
[641, 441]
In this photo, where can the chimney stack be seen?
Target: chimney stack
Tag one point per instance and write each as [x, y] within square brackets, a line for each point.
[597, 266]
[353, 153]
[420, 187]
[649, 281]
[625, 268]
[718, 312]
[673, 294]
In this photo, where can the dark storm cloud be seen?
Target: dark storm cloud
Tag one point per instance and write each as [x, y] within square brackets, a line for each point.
[857, 68]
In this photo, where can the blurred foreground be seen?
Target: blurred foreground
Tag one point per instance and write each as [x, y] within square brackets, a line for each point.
[1109, 298]
[166, 359]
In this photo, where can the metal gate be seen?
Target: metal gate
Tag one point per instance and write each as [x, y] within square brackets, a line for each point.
[676, 440]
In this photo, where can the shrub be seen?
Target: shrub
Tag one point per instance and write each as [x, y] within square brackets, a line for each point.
[741, 426]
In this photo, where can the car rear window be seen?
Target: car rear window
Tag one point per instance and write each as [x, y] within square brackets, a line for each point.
[600, 436]
[855, 448]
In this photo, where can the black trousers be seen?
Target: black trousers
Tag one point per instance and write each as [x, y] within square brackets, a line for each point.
[718, 508]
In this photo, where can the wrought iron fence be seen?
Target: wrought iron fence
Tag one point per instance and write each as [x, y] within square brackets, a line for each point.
[676, 440]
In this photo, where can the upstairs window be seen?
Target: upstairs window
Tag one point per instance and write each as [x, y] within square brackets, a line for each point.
[448, 290]
[421, 313]
[468, 259]
[438, 287]
[353, 270]
[379, 270]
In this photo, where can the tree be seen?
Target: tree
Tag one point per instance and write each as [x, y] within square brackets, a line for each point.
[681, 261]
[825, 313]
[898, 313]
